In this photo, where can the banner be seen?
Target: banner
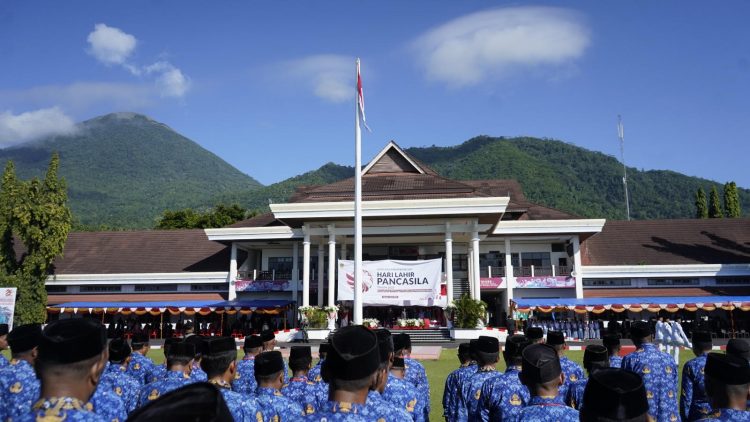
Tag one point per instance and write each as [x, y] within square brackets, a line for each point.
[7, 305]
[270, 285]
[392, 282]
[489, 283]
[545, 282]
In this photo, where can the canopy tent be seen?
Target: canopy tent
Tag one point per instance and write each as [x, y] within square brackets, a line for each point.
[189, 307]
[598, 305]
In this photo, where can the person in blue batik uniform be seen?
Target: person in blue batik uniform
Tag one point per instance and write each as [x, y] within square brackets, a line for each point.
[401, 393]
[727, 383]
[244, 380]
[314, 373]
[694, 403]
[376, 407]
[573, 372]
[350, 369]
[199, 401]
[70, 359]
[179, 365]
[19, 387]
[542, 374]
[299, 388]
[196, 373]
[269, 368]
[451, 392]
[659, 372]
[595, 357]
[612, 343]
[140, 367]
[487, 353]
[107, 404]
[160, 371]
[3, 344]
[219, 361]
[741, 348]
[415, 373]
[115, 378]
[614, 394]
[504, 397]
[269, 345]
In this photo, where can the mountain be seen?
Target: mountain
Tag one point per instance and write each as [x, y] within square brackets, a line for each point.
[124, 169]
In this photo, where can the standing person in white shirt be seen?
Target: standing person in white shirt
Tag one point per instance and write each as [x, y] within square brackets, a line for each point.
[659, 333]
[668, 339]
[679, 339]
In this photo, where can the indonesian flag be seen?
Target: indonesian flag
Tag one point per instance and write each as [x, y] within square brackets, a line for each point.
[361, 99]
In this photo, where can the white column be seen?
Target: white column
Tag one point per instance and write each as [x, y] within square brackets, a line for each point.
[321, 272]
[232, 294]
[295, 271]
[306, 268]
[470, 271]
[449, 262]
[475, 262]
[331, 264]
[577, 267]
[510, 281]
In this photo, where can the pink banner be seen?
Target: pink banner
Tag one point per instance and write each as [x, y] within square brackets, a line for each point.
[545, 282]
[269, 285]
[491, 282]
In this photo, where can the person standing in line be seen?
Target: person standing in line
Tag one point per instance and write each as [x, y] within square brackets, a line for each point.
[115, 378]
[614, 394]
[612, 343]
[269, 345]
[659, 373]
[196, 372]
[679, 339]
[595, 357]
[450, 393]
[573, 372]
[140, 366]
[415, 373]
[694, 402]
[3, 344]
[19, 386]
[179, 365]
[219, 362]
[727, 384]
[376, 407]
[314, 373]
[300, 389]
[71, 357]
[542, 374]
[659, 339]
[269, 373]
[244, 380]
[404, 398]
[504, 397]
[487, 354]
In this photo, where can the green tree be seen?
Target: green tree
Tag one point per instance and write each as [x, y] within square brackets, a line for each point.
[731, 200]
[37, 215]
[220, 216]
[701, 207]
[714, 205]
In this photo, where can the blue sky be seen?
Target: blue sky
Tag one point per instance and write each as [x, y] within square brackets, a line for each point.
[268, 86]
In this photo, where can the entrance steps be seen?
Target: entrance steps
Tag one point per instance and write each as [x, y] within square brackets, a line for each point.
[436, 335]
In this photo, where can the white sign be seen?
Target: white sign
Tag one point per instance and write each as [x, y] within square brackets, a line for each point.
[391, 282]
[7, 305]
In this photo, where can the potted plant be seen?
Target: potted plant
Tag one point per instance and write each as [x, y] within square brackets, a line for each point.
[468, 316]
[371, 323]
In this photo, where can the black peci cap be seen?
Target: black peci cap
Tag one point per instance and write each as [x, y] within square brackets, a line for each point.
[515, 344]
[267, 335]
[181, 350]
[3, 329]
[739, 347]
[269, 363]
[611, 340]
[72, 340]
[540, 363]
[401, 341]
[300, 352]
[399, 363]
[595, 353]
[170, 341]
[25, 337]
[199, 402]
[487, 344]
[385, 344]
[534, 333]
[324, 347]
[251, 342]
[198, 342]
[217, 345]
[555, 338]
[463, 349]
[354, 353]
[119, 350]
[727, 369]
[140, 338]
[639, 330]
[702, 338]
[614, 394]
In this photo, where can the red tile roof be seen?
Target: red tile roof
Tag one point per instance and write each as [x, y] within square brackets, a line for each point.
[670, 242]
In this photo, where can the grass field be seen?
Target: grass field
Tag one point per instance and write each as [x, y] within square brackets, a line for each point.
[438, 370]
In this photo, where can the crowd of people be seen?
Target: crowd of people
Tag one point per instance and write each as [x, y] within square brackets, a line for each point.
[68, 371]
[540, 383]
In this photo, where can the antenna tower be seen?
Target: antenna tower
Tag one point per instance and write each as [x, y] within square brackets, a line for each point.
[621, 135]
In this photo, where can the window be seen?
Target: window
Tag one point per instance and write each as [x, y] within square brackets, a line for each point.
[491, 259]
[56, 289]
[155, 287]
[732, 280]
[460, 262]
[221, 287]
[673, 282]
[604, 282]
[100, 289]
[282, 264]
[537, 259]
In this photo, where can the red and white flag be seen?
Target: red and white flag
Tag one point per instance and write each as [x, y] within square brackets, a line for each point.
[361, 100]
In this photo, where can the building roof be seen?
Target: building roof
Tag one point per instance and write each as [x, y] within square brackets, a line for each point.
[143, 251]
[670, 242]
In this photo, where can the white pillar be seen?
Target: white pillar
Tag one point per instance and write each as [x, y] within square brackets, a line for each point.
[295, 271]
[475, 263]
[510, 281]
[306, 268]
[470, 272]
[321, 273]
[232, 294]
[449, 262]
[577, 267]
[331, 264]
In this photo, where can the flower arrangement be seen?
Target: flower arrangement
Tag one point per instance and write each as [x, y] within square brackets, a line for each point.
[410, 323]
[371, 323]
[314, 316]
[332, 309]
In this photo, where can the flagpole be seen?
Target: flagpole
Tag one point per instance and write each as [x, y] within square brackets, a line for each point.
[357, 211]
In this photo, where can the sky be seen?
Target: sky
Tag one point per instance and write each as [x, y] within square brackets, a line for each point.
[269, 86]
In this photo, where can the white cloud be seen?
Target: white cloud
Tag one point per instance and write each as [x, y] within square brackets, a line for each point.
[17, 128]
[493, 44]
[170, 80]
[328, 76]
[110, 45]
[81, 97]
